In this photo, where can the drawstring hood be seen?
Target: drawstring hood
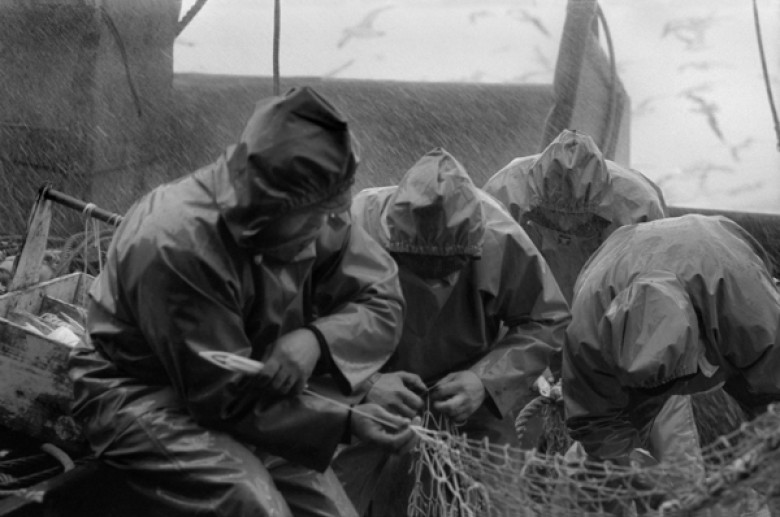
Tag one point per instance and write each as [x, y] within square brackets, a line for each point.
[435, 210]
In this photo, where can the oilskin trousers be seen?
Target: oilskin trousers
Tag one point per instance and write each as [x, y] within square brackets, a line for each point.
[178, 468]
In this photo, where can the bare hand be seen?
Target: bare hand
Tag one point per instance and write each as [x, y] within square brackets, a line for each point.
[396, 435]
[398, 392]
[458, 395]
[291, 361]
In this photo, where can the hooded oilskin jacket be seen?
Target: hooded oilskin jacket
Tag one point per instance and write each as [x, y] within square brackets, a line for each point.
[555, 194]
[458, 324]
[672, 306]
[183, 275]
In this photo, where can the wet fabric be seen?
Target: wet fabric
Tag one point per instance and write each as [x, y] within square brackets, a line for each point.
[673, 306]
[450, 327]
[303, 150]
[182, 276]
[175, 467]
[674, 436]
[569, 199]
[503, 318]
[434, 211]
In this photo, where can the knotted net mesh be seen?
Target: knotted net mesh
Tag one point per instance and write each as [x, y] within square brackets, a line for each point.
[458, 476]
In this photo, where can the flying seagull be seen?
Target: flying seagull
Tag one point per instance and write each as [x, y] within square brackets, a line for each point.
[364, 29]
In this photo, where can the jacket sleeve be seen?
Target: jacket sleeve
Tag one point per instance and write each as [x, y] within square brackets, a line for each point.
[173, 303]
[749, 328]
[596, 404]
[534, 312]
[359, 301]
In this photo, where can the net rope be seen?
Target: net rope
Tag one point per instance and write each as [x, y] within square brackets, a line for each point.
[456, 476]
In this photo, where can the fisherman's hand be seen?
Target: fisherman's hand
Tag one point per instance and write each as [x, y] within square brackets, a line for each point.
[292, 359]
[458, 395]
[398, 392]
[394, 434]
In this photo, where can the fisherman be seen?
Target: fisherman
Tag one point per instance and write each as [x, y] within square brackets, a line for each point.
[673, 306]
[484, 316]
[569, 199]
[253, 255]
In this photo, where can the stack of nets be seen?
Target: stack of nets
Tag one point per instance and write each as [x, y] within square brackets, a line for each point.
[458, 476]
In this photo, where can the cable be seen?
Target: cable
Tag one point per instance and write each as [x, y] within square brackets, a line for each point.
[277, 31]
[609, 149]
[187, 18]
[766, 73]
[120, 43]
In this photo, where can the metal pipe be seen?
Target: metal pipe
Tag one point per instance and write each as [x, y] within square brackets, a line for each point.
[88, 209]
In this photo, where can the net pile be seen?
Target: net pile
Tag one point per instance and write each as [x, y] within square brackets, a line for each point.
[458, 476]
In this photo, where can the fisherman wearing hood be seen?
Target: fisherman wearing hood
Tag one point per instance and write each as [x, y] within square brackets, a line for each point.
[484, 315]
[253, 255]
[569, 199]
[678, 305]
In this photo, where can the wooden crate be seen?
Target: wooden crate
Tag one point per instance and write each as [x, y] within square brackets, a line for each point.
[35, 390]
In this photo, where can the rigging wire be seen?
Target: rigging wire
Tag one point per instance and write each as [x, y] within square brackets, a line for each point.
[767, 82]
[195, 9]
[277, 30]
[123, 54]
[608, 139]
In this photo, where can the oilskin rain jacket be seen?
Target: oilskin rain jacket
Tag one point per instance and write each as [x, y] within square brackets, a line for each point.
[183, 275]
[569, 199]
[437, 210]
[502, 317]
[674, 306]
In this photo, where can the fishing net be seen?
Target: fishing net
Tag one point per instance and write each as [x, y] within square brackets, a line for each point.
[458, 476]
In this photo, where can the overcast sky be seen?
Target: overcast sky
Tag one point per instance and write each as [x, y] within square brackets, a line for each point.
[701, 124]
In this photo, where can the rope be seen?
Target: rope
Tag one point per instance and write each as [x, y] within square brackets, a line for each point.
[277, 31]
[195, 9]
[19, 473]
[607, 147]
[35, 496]
[70, 250]
[766, 73]
[59, 455]
[120, 44]
[23, 461]
[11, 483]
[530, 409]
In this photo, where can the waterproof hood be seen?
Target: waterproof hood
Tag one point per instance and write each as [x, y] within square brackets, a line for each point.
[435, 210]
[572, 177]
[296, 152]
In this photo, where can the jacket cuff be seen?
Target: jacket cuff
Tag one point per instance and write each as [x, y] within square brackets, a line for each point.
[368, 384]
[325, 361]
[325, 364]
